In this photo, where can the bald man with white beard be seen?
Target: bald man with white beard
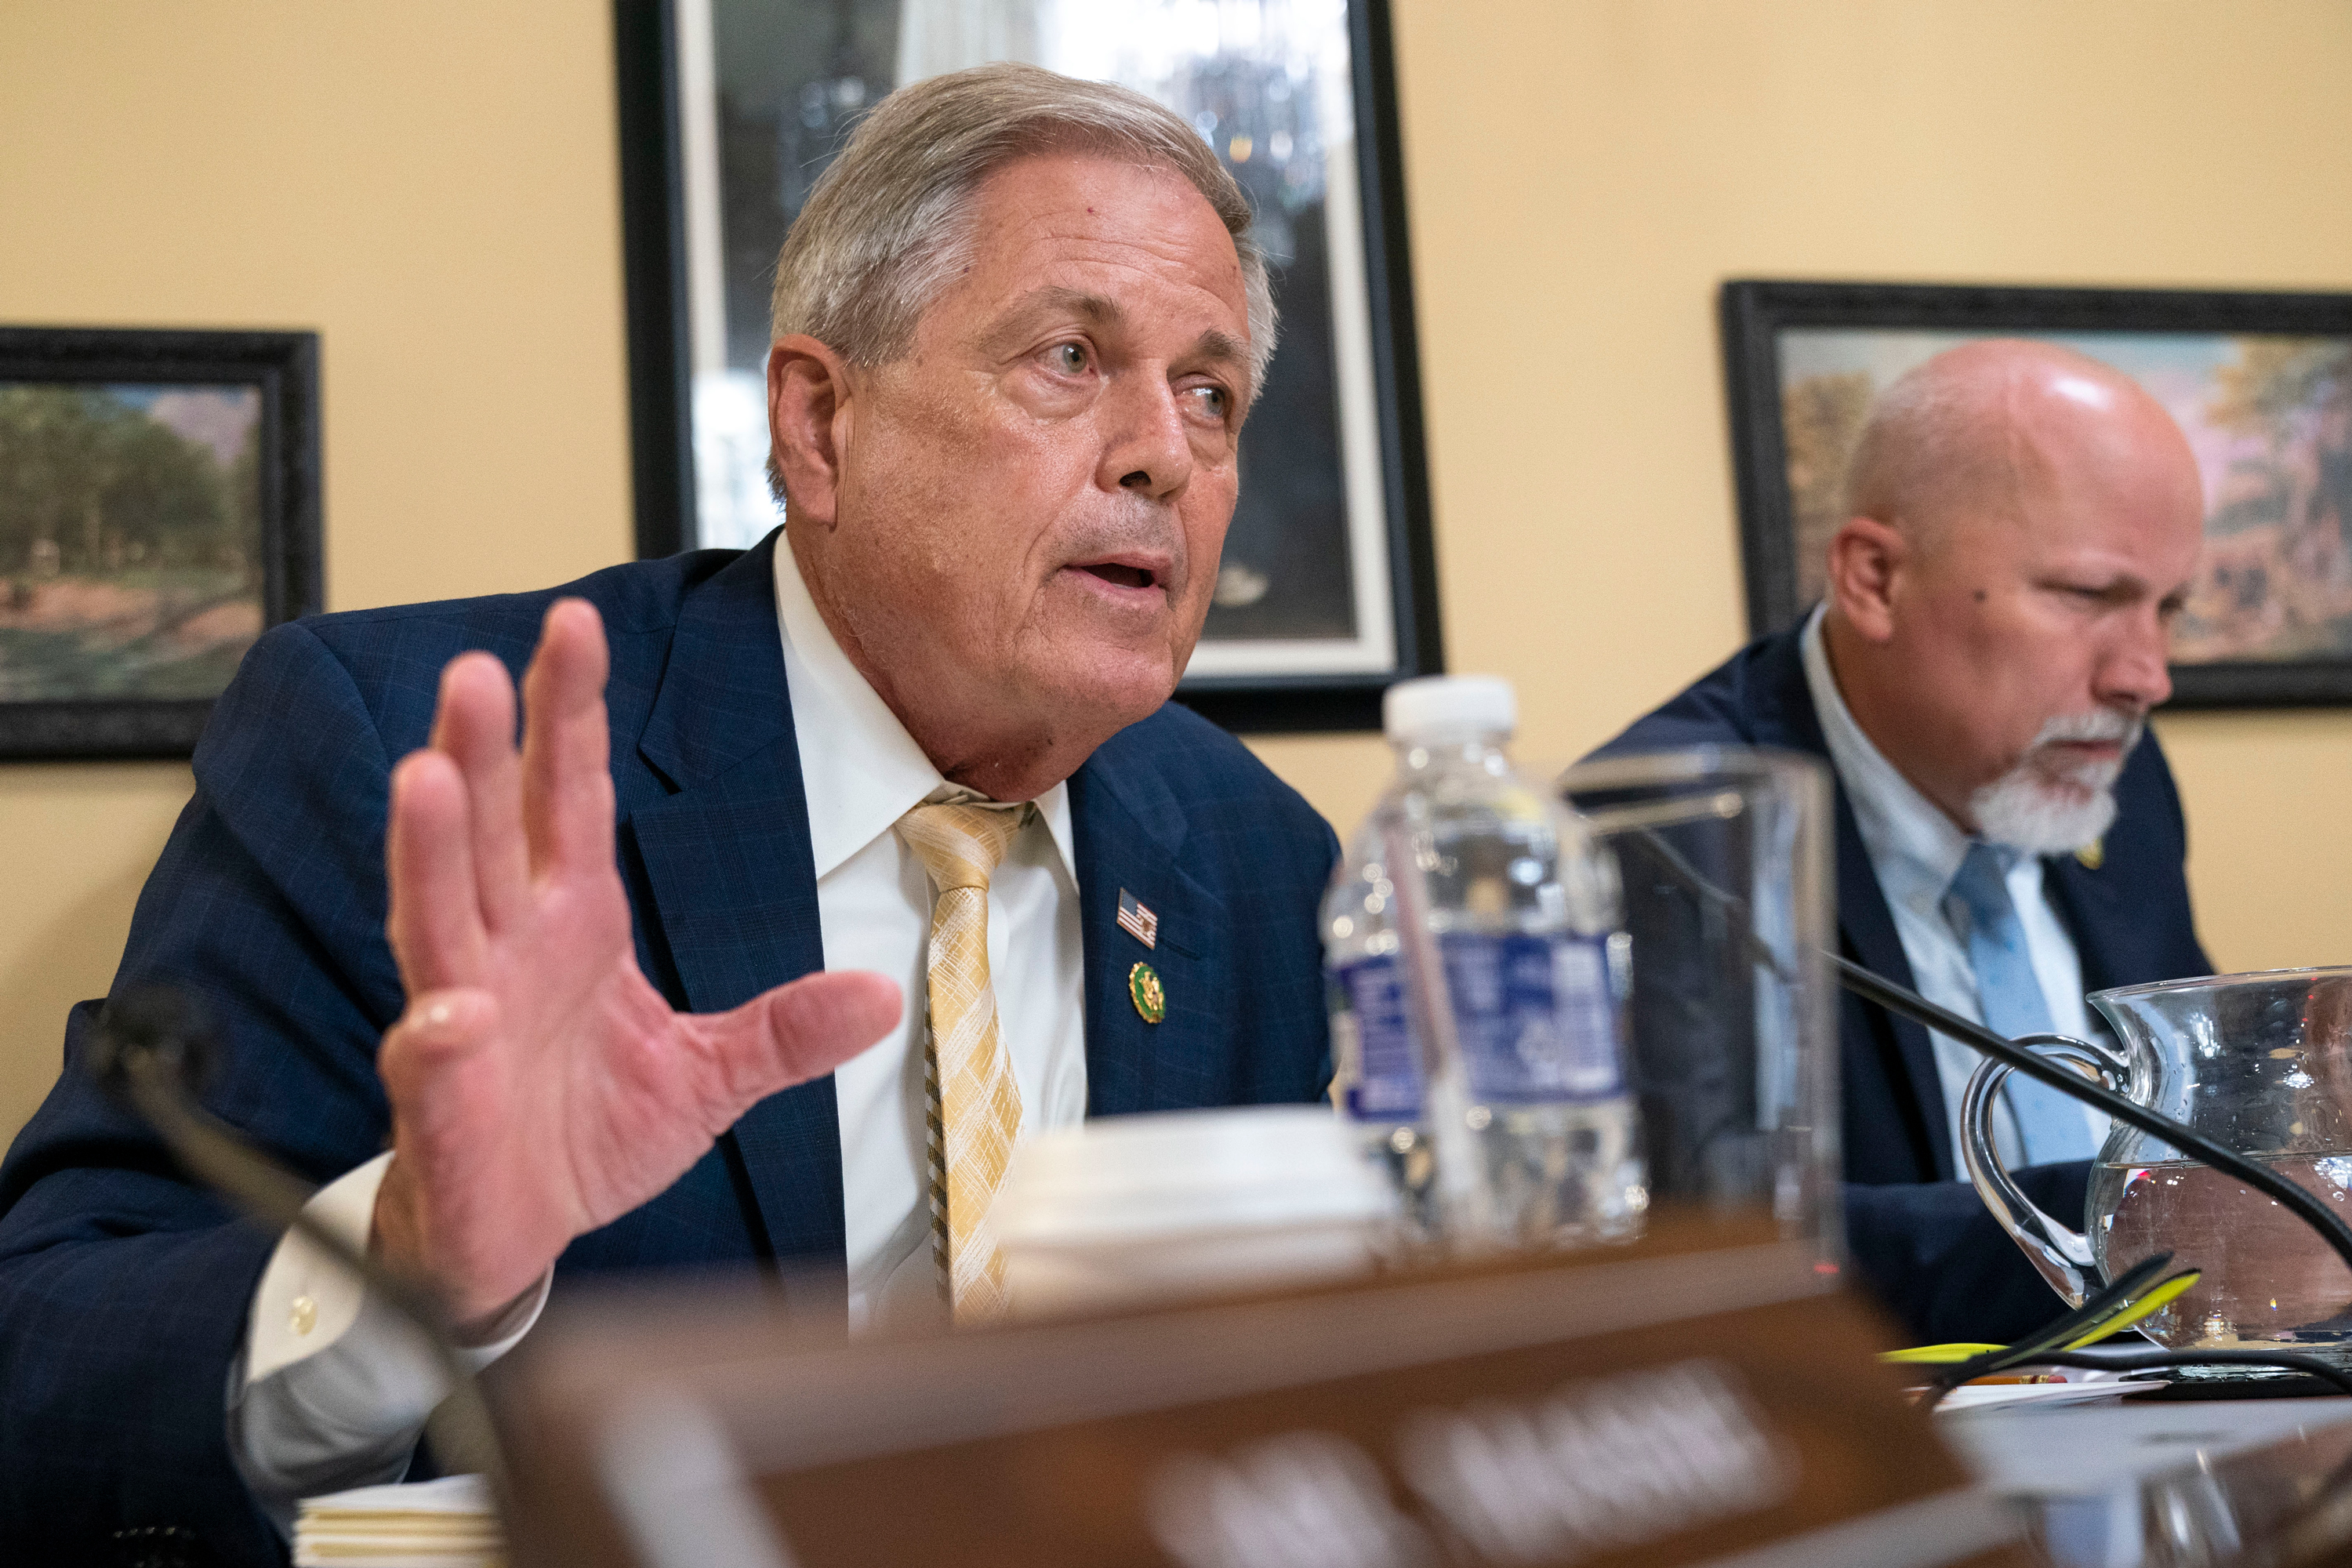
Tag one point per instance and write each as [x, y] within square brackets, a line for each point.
[2021, 525]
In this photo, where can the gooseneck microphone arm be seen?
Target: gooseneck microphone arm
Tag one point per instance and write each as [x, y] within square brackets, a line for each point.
[151, 1045]
[1873, 986]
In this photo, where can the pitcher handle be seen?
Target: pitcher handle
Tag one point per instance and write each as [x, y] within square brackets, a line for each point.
[2058, 1253]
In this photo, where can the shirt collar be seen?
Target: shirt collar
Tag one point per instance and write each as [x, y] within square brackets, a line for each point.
[1916, 850]
[860, 768]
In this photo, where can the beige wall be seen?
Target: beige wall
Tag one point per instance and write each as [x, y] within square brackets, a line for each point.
[431, 186]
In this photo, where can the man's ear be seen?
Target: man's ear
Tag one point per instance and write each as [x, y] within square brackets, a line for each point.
[808, 424]
[1864, 557]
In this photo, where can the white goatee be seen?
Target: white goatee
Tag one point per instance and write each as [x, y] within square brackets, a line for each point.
[2050, 804]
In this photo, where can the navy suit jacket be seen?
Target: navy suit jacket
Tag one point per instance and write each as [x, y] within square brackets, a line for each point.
[1916, 1228]
[123, 1289]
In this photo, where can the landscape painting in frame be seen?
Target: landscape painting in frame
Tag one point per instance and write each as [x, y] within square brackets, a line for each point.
[2268, 413]
[144, 542]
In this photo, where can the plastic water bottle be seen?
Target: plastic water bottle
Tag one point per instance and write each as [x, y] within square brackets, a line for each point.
[1376, 1055]
[1475, 919]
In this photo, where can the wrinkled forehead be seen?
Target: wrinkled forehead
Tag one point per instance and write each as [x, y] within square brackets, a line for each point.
[1095, 225]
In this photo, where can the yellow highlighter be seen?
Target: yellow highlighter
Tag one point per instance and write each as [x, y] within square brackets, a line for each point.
[2126, 1313]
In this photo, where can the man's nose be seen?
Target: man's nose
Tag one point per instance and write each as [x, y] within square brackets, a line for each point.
[2137, 669]
[1147, 450]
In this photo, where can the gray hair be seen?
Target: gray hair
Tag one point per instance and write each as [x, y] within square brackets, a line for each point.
[889, 223]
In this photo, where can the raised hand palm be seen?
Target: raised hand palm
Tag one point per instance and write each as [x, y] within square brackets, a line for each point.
[541, 1087]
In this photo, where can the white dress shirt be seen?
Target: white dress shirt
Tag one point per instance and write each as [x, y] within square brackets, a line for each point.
[1916, 851]
[331, 1391]
[863, 772]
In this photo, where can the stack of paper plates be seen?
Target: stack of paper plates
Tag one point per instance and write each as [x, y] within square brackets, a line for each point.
[447, 1523]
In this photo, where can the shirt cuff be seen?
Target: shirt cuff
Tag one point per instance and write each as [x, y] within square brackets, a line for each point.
[334, 1385]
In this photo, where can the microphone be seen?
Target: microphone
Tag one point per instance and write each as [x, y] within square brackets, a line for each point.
[154, 1048]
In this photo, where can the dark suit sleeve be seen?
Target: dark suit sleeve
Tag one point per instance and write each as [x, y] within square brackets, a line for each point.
[123, 1290]
[1935, 1256]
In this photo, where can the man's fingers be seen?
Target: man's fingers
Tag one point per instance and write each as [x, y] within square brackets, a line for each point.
[436, 919]
[474, 727]
[798, 1032]
[567, 791]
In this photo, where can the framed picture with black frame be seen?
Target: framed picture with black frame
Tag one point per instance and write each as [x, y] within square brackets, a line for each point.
[2261, 383]
[159, 509]
[731, 109]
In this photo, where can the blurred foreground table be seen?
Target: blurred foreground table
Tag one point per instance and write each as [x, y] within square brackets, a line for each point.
[1707, 1396]
[2146, 1484]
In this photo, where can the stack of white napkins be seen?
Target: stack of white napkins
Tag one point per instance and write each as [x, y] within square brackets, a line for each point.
[447, 1523]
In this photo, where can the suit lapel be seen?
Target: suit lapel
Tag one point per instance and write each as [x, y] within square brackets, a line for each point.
[1128, 829]
[726, 862]
[1866, 930]
[2090, 905]
[1866, 925]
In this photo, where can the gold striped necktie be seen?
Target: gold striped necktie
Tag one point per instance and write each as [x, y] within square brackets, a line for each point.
[974, 1105]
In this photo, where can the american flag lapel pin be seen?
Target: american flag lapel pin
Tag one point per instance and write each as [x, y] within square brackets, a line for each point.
[1136, 921]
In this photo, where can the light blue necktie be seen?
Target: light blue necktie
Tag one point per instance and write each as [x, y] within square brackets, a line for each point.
[2009, 997]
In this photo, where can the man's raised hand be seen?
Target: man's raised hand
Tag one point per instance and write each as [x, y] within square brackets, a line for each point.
[541, 1087]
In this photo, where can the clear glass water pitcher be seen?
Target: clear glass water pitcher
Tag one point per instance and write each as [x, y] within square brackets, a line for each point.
[2261, 1064]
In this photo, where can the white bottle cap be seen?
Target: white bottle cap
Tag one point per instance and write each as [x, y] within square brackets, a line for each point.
[1449, 708]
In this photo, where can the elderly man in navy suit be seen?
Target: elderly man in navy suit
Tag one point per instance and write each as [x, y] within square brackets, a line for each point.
[2023, 523]
[629, 995]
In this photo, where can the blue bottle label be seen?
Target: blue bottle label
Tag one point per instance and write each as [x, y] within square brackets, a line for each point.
[1534, 1015]
[1387, 1082]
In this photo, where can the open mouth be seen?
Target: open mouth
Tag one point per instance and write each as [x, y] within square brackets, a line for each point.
[1124, 576]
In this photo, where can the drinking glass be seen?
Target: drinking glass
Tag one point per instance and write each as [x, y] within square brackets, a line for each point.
[1724, 853]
